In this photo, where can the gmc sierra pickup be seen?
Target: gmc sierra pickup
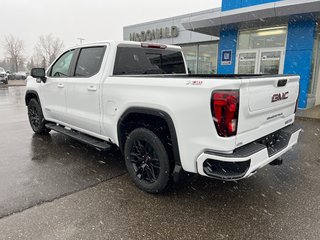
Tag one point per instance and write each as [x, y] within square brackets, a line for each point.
[140, 98]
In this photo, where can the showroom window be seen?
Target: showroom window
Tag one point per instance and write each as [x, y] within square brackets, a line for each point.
[207, 58]
[201, 58]
[263, 38]
[261, 51]
[190, 53]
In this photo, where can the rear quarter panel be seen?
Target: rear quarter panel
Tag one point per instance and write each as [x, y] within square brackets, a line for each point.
[188, 106]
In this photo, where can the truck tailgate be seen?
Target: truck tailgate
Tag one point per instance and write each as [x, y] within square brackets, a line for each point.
[267, 104]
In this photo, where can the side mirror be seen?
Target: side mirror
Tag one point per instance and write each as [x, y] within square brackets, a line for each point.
[39, 73]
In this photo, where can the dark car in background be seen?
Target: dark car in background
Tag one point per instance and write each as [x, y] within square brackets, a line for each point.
[10, 75]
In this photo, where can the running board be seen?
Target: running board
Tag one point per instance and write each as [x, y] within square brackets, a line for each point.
[94, 142]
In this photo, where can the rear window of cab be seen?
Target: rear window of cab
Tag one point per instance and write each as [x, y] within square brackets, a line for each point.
[148, 61]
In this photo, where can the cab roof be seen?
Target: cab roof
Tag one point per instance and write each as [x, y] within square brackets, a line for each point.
[125, 43]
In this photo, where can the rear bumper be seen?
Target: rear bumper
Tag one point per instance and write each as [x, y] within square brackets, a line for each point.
[246, 160]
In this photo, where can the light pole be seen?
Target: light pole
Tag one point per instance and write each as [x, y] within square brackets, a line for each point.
[81, 40]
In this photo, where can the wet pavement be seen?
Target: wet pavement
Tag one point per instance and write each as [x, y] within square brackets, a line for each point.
[277, 203]
[312, 113]
[35, 169]
[13, 83]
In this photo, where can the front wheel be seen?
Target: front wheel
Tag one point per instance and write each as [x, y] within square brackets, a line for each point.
[147, 161]
[36, 118]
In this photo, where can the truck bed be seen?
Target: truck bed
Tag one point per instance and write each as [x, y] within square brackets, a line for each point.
[227, 76]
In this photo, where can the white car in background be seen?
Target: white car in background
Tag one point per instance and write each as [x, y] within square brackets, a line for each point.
[3, 76]
[20, 76]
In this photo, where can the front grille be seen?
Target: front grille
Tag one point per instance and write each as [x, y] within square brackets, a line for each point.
[2, 75]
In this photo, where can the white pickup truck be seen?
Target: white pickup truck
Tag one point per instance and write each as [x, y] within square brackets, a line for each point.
[140, 97]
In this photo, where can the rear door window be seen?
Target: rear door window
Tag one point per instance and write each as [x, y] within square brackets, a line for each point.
[89, 61]
[139, 61]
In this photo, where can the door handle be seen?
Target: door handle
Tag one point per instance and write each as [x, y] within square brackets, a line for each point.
[92, 89]
[60, 85]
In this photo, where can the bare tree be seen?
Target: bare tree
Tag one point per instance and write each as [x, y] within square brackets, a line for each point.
[14, 47]
[6, 64]
[47, 49]
[30, 64]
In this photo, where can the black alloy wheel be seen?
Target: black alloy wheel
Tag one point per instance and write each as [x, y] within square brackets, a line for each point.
[36, 118]
[147, 161]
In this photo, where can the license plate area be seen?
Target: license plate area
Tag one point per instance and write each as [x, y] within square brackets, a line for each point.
[275, 142]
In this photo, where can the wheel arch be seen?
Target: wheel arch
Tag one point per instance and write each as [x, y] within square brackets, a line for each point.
[30, 94]
[155, 113]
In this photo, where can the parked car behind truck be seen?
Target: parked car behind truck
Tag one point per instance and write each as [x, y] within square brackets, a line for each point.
[20, 76]
[140, 98]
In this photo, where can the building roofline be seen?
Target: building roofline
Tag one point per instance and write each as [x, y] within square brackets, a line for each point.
[253, 15]
[175, 17]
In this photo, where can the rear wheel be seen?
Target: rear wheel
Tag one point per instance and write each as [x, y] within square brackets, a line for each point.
[36, 118]
[147, 161]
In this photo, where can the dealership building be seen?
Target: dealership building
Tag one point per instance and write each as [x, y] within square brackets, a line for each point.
[246, 37]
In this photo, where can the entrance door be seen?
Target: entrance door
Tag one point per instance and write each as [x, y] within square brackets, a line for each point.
[314, 88]
[271, 62]
[247, 62]
[260, 61]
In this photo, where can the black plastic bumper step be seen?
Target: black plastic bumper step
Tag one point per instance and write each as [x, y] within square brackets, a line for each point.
[94, 142]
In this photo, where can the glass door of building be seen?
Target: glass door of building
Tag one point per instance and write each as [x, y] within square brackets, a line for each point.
[260, 61]
[271, 62]
[314, 87]
[247, 62]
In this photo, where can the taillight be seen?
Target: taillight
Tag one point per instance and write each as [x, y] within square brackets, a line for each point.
[225, 112]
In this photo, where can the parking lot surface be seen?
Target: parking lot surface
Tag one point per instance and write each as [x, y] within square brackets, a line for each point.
[35, 169]
[55, 188]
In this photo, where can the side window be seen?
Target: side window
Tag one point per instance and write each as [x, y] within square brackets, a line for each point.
[89, 61]
[62, 66]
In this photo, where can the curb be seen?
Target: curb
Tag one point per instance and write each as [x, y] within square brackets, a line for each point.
[8, 85]
[307, 118]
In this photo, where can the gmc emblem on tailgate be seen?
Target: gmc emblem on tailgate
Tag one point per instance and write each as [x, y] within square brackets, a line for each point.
[280, 97]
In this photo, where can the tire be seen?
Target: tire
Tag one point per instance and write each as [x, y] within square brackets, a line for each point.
[147, 161]
[36, 118]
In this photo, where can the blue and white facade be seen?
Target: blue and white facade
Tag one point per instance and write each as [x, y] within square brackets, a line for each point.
[255, 36]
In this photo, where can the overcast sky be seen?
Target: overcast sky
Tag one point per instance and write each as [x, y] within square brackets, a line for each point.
[92, 20]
